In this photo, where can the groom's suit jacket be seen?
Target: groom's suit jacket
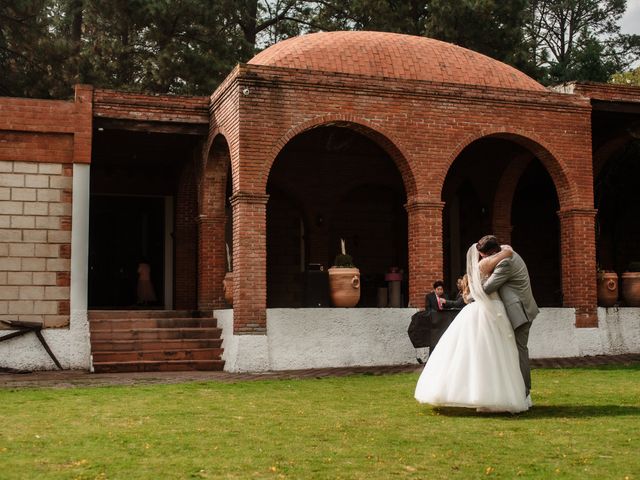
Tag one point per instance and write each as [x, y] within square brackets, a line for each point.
[510, 279]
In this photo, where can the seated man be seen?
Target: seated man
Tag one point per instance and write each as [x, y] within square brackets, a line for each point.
[435, 300]
[440, 313]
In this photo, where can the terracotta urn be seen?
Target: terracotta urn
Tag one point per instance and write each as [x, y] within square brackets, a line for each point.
[631, 289]
[344, 286]
[607, 289]
[227, 285]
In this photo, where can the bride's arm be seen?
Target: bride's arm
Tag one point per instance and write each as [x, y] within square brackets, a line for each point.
[488, 264]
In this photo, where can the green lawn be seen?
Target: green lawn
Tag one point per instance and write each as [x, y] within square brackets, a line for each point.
[585, 424]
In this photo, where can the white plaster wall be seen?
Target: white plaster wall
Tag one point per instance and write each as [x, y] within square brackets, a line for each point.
[70, 346]
[316, 338]
[242, 353]
[553, 333]
[338, 337]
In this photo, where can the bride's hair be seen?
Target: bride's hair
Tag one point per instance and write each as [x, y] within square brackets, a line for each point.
[475, 279]
[464, 287]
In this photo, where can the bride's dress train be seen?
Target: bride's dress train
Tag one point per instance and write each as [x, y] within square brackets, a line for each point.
[475, 363]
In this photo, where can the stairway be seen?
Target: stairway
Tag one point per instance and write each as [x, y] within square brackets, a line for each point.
[154, 341]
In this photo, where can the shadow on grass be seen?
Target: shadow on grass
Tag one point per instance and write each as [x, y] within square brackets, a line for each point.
[548, 411]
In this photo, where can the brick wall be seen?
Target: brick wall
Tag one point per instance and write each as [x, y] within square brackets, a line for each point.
[423, 127]
[186, 240]
[35, 241]
[146, 107]
[602, 91]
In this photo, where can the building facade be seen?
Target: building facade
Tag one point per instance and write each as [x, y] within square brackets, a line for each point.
[408, 148]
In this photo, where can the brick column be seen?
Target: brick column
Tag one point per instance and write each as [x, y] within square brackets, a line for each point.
[503, 200]
[185, 241]
[211, 261]
[502, 225]
[578, 247]
[249, 263]
[425, 247]
[83, 128]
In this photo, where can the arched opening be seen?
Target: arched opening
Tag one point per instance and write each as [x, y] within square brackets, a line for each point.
[215, 250]
[495, 181]
[331, 183]
[535, 232]
[617, 199]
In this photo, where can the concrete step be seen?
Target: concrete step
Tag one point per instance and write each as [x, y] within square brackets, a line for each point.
[141, 323]
[106, 314]
[158, 366]
[110, 345]
[154, 340]
[157, 355]
[155, 334]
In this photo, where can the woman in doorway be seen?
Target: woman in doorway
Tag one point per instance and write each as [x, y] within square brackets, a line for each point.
[146, 293]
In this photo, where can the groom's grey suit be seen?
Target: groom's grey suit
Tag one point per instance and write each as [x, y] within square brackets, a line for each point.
[511, 280]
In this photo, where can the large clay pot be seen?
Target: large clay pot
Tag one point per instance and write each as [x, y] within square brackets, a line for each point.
[227, 285]
[607, 289]
[631, 289]
[344, 286]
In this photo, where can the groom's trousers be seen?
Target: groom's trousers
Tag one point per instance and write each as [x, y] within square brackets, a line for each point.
[522, 338]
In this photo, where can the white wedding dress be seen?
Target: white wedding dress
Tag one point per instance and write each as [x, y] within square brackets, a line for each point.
[475, 363]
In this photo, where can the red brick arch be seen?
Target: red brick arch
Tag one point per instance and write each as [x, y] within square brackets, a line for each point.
[503, 200]
[566, 188]
[212, 184]
[213, 180]
[607, 150]
[360, 125]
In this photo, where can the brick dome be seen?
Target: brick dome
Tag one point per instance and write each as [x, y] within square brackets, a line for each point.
[393, 55]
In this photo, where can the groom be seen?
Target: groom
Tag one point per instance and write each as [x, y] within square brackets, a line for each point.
[510, 279]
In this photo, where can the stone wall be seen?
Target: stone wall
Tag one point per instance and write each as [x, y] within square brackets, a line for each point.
[35, 242]
[40, 142]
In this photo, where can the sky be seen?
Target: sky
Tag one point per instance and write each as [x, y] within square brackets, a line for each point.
[631, 19]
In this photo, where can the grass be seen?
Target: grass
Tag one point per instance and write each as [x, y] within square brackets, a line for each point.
[585, 425]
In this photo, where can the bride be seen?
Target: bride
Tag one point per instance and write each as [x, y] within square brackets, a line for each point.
[475, 363]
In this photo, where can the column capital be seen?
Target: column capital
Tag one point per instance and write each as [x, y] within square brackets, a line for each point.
[210, 219]
[248, 198]
[423, 203]
[577, 212]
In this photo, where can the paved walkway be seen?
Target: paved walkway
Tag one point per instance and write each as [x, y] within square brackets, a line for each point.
[77, 378]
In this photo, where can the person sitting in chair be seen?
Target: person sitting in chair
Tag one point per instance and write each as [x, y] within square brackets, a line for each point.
[435, 300]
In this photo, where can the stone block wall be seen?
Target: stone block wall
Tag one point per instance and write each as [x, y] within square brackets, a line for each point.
[40, 142]
[35, 242]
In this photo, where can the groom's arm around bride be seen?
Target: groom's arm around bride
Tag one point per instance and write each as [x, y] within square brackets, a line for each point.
[510, 279]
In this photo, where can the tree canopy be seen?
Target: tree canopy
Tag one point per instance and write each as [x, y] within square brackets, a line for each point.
[189, 46]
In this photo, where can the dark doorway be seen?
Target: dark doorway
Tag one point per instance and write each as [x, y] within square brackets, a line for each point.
[469, 193]
[618, 200]
[327, 184]
[124, 231]
[535, 233]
